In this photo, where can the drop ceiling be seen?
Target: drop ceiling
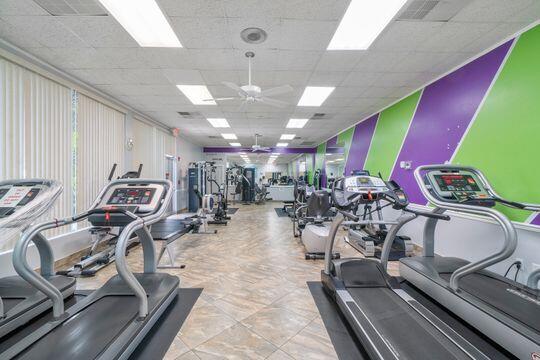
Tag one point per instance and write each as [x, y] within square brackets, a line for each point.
[409, 53]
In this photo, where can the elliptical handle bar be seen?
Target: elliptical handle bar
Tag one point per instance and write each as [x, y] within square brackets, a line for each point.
[428, 214]
[349, 215]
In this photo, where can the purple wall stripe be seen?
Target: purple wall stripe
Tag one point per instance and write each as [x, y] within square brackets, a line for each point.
[332, 142]
[443, 114]
[363, 132]
[536, 220]
[246, 149]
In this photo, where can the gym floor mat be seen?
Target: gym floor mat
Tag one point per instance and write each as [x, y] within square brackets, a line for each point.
[159, 339]
[341, 335]
[230, 211]
[281, 213]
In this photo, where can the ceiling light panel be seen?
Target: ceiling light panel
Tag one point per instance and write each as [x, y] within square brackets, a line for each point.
[297, 123]
[362, 23]
[281, 144]
[197, 94]
[315, 95]
[219, 122]
[287, 137]
[236, 144]
[229, 136]
[144, 21]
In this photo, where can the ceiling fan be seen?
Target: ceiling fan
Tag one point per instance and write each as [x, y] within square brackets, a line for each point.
[259, 148]
[252, 93]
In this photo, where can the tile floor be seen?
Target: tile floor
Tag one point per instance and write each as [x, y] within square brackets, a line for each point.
[255, 303]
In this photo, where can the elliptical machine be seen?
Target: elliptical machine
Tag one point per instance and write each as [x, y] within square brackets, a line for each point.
[95, 260]
[219, 215]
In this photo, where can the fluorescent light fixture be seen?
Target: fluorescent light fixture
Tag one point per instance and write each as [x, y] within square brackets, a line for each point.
[144, 21]
[315, 95]
[327, 154]
[297, 123]
[229, 136]
[218, 122]
[242, 153]
[287, 136]
[276, 153]
[197, 94]
[282, 144]
[363, 21]
[235, 144]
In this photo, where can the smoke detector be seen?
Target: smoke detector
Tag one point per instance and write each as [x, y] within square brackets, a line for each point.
[253, 35]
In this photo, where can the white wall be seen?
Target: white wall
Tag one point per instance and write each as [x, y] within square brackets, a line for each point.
[260, 170]
[472, 239]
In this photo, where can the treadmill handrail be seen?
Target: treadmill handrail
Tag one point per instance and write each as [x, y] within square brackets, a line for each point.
[139, 226]
[510, 234]
[338, 219]
[533, 279]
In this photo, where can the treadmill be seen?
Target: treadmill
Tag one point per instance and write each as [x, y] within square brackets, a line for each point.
[388, 322]
[110, 322]
[504, 310]
[21, 203]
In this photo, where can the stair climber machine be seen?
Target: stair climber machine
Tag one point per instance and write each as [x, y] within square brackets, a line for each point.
[389, 320]
[111, 321]
[314, 224]
[369, 239]
[506, 311]
[301, 192]
[98, 257]
[21, 203]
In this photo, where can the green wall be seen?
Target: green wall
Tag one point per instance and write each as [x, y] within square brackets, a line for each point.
[504, 140]
[389, 133]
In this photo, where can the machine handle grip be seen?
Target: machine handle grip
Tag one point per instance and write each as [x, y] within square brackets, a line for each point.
[511, 203]
[429, 214]
[349, 215]
[103, 211]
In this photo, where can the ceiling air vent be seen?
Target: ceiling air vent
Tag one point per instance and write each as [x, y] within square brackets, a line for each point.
[214, 137]
[320, 116]
[72, 7]
[310, 143]
[432, 10]
[190, 115]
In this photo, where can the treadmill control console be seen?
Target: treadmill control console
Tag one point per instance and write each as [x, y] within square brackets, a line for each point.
[458, 186]
[13, 197]
[140, 199]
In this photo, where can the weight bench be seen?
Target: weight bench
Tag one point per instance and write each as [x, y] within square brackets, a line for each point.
[168, 231]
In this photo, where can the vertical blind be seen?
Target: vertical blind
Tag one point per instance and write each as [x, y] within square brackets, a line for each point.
[100, 144]
[36, 132]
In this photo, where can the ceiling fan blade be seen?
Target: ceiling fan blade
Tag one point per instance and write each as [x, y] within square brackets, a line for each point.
[277, 90]
[225, 98]
[235, 87]
[273, 102]
[242, 106]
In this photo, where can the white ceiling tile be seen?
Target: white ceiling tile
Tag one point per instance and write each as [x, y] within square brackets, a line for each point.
[418, 62]
[202, 32]
[12, 34]
[360, 79]
[453, 36]
[314, 9]
[297, 60]
[99, 31]
[348, 91]
[378, 61]
[395, 79]
[327, 78]
[306, 34]
[216, 77]
[183, 77]
[20, 7]
[170, 58]
[47, 30]
[405, 35]
[491, 11]
[193, 8]
[338, 60]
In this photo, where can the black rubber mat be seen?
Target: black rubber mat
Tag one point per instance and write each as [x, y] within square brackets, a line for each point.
[159, 339]
[344, 342]
[230, 210]
[281, 213]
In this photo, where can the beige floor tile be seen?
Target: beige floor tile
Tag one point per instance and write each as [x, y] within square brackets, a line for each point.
[280, 355]
[239, 306]
[177, 348]
[311, 343]
[188, 356]
[236, 342]
[204, 323]
[275, 324]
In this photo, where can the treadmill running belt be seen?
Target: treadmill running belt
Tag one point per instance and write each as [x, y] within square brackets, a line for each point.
[123, 309]
[495, 293]
[410, 335]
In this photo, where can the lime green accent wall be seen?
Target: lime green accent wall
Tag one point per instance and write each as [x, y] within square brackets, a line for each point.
[345, 139]
[319, 156]
[309, 167]
[389, 133]
[504, 140]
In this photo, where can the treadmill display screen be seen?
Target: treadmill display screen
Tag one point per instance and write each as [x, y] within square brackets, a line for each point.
[132, 196]
[454, 182]
[17, 196]
[3, 192]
